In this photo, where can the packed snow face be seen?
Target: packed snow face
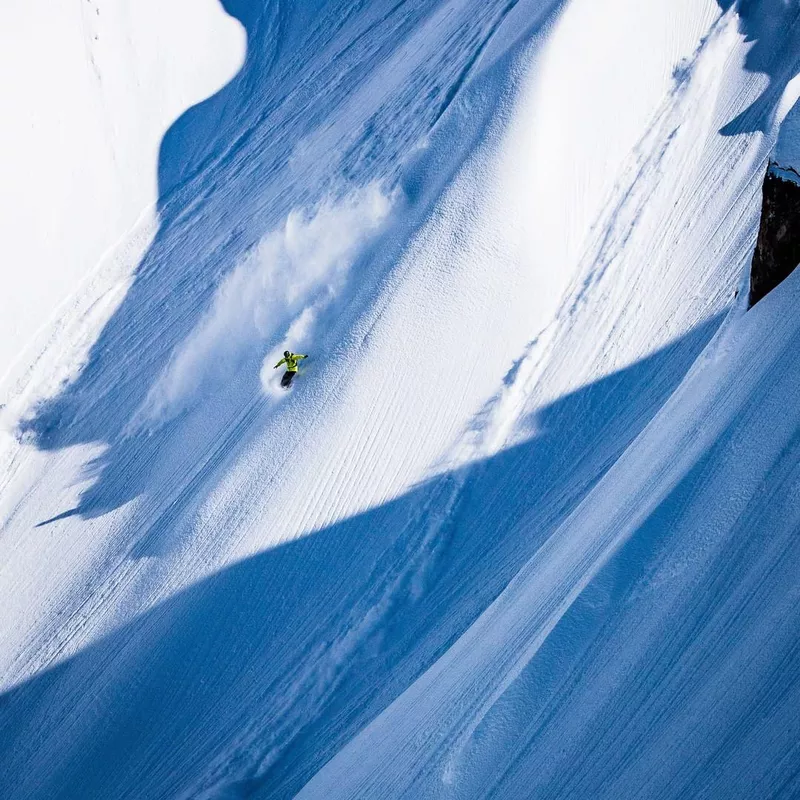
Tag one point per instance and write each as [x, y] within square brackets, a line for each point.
[524, 522]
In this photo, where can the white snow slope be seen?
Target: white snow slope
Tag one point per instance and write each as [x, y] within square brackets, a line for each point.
[525, 524]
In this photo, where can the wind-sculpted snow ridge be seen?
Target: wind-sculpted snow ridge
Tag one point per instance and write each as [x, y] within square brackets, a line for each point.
[537, 467]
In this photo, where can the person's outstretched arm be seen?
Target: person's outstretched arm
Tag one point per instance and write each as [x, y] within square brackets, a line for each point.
[282, 361]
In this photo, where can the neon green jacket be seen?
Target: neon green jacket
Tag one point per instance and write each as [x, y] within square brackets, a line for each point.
[291, 362]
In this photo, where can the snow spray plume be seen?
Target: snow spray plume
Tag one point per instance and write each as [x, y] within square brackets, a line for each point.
[275, 293]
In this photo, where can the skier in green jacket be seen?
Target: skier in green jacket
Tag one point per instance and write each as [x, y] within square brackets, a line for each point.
[290, 359]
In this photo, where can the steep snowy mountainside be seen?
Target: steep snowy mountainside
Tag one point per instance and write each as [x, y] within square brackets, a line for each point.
[649, 646]
[442, 563]
[91, 89]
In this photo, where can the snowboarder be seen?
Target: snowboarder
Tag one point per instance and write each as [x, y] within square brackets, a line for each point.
[290, 359]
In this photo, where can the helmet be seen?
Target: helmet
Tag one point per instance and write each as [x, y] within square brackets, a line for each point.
[286, 354]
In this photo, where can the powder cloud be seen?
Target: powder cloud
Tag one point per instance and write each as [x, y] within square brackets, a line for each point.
[272, 299]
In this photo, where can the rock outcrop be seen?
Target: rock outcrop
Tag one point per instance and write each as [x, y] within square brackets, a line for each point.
[778, 247]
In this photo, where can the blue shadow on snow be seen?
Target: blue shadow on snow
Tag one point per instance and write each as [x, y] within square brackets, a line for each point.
[774, 28]
[292, 651]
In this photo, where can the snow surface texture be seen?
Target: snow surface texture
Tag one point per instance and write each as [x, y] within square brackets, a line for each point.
[525, 524]
[786, 156]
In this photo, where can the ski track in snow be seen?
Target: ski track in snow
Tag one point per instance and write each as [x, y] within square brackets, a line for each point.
[425, 571]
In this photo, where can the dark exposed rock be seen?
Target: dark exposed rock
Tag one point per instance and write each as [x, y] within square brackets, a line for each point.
[778, 247]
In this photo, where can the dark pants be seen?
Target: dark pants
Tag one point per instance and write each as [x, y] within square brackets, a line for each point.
[286, 380]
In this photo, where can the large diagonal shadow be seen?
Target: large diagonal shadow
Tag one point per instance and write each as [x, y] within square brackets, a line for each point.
[773, 26]
[260, 673]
